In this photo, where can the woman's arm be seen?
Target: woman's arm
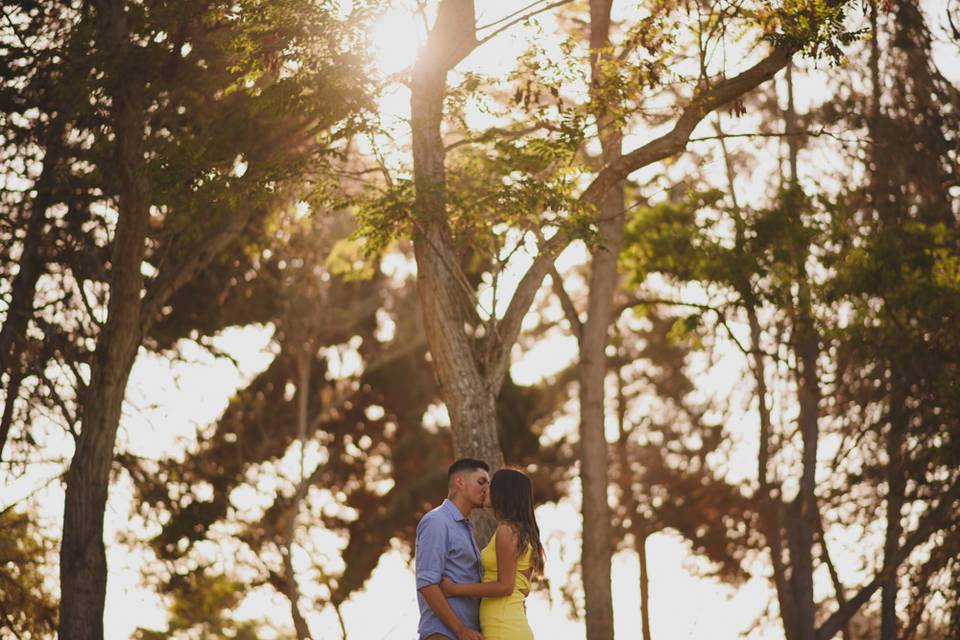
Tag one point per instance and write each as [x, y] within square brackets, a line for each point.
[507, 541]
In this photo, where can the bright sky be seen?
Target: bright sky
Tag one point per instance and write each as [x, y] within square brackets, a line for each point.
[167, 402]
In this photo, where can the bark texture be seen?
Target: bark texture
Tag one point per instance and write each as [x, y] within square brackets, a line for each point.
[631, 509]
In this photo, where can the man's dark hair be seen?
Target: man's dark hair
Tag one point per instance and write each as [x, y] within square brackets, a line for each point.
[466, 464]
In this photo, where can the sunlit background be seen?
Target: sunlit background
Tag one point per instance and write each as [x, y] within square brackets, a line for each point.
[171, 402]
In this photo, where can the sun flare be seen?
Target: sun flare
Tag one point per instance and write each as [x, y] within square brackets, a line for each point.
[395, 39]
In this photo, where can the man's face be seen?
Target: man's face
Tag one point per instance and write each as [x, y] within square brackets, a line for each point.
[475, 485]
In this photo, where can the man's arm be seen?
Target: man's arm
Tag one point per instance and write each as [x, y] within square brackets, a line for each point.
[430, 557]
[438, 602]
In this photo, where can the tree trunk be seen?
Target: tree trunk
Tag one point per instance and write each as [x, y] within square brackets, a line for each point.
[444, 293]
[291, 588]
[31, 264]
[83, 569]
[629, 505]
[883, 193]
[889, 625]
[604, 277]
[804, 525]
[597, 548]
[11, 395]
[804, 512]
[768, 502]
[641, 543]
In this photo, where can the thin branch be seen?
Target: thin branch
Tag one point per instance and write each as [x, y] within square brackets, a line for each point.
[566, 302]
[676, 139]
[185, 260]
[89, 306]
[520, 19]
[65, 411]
[381, 162]
[58, 477]
[9, 626]
[784, 134]
[509, 15]
[838, 588]
[343, 623]
[496, 132]
[16, 32]
[932, 521]
[718, 311]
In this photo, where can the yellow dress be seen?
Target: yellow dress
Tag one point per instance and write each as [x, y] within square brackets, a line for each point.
[505, 617]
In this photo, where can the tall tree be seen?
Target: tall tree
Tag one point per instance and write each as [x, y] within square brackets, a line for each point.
[593, 333]
[83, 563]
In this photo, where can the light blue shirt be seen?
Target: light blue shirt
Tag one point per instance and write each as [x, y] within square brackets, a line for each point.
[445, 549]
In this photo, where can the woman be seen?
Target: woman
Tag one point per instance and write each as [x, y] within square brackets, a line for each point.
[509, 560]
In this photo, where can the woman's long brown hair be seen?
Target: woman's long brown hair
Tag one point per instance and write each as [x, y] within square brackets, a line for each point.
[511, 495]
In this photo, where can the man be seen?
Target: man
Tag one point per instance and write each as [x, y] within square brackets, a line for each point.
[445, 548]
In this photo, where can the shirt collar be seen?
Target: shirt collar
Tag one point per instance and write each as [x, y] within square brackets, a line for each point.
[454, 511]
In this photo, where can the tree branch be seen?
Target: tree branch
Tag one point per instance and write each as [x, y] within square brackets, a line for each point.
[182, 264]
[508, 329]
[663, 147]
[677, 138]
[496, 132]
[518, 19]
[718, 311]
[934, 520]
[784, 134]
[566, 302]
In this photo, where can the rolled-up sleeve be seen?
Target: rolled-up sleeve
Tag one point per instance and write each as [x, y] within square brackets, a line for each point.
[431, 551]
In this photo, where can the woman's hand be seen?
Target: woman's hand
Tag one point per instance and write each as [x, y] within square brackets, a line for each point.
[449, 587]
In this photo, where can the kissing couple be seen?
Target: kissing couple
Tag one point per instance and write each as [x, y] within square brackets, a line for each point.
[465, 593]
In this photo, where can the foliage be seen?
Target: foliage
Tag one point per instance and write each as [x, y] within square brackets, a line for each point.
[200, 611]
[869, 269]
[27, 608]
[816, 28]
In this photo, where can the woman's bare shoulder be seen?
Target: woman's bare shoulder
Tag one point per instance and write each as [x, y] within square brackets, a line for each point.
[507, 531]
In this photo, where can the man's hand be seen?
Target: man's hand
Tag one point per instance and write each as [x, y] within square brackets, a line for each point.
[469, 634]
[449, 588]
[437, 601]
